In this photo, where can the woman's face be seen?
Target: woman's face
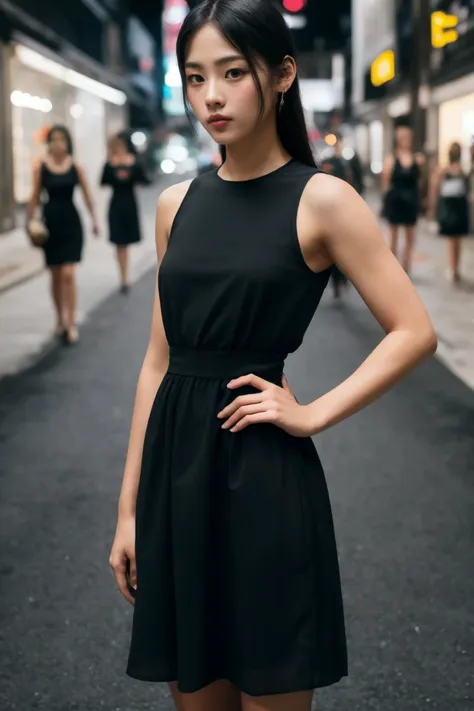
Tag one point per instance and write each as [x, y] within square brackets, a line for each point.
[119, 146]
[58, 144]
[405, 138]
[219, 85]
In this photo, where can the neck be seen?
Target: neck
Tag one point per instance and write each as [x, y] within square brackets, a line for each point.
[255, 155]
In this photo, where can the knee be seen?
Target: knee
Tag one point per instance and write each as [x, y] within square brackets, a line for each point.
[67, 274]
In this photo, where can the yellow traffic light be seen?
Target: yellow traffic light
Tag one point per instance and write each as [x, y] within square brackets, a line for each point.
[382, 68]
[442, 29]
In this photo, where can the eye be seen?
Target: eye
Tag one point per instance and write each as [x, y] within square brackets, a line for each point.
[235, 73]
[194, 79]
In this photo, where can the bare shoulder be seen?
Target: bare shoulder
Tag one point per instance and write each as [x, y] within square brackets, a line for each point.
[168, 204]
[327, 193]
[172, 197]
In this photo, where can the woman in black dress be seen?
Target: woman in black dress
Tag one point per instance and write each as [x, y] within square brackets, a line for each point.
[401, 187]
[225, 541]
[122, 173]
[450, 200]
[56, 178]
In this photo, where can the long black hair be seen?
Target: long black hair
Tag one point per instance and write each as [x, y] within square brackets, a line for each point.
[59, 128]
[257, 29]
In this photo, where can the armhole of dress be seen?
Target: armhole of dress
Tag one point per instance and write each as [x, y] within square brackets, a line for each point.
[294, 233]
[175, 222]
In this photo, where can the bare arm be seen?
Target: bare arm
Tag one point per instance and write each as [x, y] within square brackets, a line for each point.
[386, 173]
[36, 193]
[87, 195]
[153, 370]
[433, 192]
[352, 237]
[156, 358]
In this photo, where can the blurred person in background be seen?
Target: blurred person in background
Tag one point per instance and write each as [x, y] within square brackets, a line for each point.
[449, 201]
[57, 176]
[401, 178]
[224, 541]
[122, 172]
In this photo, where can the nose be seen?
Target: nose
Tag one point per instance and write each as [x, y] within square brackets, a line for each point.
[214, 98]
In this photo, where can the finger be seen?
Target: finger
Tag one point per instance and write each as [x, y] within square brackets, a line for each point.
[133, 573]
[242, 412]
[120, 572]
[239, 402]
[267, 416]
[249, 379]
[284, 384]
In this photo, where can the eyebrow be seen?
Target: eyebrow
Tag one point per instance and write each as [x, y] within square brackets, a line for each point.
[218, 62]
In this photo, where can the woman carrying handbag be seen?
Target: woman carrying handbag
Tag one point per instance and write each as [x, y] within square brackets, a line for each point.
[60, 235]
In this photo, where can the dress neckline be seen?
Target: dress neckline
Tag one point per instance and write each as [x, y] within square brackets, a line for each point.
[253, 180]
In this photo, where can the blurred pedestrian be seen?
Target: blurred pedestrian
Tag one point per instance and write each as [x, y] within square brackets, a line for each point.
[56, 176]
[122, 172]
[401, 179]
[449, 200]
[336, 165]
[225, 540]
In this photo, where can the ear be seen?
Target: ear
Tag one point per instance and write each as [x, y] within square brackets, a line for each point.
[287, 74]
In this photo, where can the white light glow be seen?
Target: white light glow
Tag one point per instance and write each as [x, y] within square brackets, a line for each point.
[348, 153]
[138, 138]
[175, 15]
[177, 153]
[167, 166]
[295, 22]
[58, 71]
[20, 98]
[76, 111]
[376, 167]
[173, 78]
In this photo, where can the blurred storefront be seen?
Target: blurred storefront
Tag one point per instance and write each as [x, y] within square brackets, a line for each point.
[58, 66]
[43, 93]
[451, 112]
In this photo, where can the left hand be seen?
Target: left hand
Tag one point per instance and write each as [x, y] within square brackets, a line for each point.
[273, 404]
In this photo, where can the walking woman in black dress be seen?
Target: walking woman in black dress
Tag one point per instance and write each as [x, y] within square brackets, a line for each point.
[401, 187]
[225, 541]
[56, 177]
[449, 199]
[122, 173]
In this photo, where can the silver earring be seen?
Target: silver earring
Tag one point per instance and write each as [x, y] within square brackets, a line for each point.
[282, 101]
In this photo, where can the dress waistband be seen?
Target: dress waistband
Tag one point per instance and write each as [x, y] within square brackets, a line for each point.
[225, 364]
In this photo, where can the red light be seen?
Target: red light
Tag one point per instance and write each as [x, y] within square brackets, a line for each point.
[294, 5]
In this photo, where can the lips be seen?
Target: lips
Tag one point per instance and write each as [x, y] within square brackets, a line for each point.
[218, 121]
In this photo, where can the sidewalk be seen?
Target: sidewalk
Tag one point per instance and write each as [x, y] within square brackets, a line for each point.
[26, 316]
[451, 308]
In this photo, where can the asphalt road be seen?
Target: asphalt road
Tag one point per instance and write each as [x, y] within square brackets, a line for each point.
[401, 477]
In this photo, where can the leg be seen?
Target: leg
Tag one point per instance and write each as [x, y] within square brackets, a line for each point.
[409, 247]
[393, 233]
[122, 258]
[219, 696]
[57, 294]
[68, 272]
[299, 701]
[454, 256]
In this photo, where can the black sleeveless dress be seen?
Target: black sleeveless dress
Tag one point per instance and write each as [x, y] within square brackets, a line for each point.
[453, 205]
[64, 244]
[402, 201]
[237, 568]
[124, 223]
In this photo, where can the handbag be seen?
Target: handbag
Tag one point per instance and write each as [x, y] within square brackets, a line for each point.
[37, 232]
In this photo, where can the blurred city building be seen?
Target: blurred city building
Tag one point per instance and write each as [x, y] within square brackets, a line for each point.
[90, 65]
[413, 62]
